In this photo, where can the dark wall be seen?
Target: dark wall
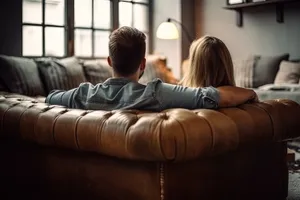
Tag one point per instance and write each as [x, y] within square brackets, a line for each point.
[187, 19]
[260, 34]
[11, 27]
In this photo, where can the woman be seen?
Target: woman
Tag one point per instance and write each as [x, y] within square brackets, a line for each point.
[210, 64]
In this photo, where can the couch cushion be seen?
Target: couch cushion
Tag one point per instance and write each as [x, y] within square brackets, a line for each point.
[266, 68]
[20, 75]
[96, 71]
[2, 86]
[289, 72]
[243, 72]
[257, 70]
[61, 74]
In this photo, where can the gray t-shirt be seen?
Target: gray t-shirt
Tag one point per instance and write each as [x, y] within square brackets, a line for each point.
[122, 93]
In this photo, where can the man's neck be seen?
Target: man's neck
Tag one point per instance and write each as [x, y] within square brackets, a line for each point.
[133, 77]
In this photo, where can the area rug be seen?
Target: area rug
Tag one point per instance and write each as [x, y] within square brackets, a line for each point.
[294, 172]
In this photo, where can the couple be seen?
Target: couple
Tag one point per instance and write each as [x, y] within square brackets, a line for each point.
[209, 82]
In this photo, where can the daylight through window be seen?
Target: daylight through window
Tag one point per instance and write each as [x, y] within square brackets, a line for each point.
[62, 28]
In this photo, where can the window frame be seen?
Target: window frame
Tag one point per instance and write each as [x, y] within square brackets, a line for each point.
[43, 25]
[92, 28]
[69, 26]
[149, 32]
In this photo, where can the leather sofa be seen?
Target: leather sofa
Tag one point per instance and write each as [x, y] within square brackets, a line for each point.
[52, 152]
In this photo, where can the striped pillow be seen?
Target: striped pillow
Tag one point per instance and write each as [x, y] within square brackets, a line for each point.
[243, 72]
[61, 74]
[257, 70]
[20, 75]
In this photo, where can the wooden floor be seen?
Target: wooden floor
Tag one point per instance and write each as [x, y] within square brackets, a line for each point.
[294, 178]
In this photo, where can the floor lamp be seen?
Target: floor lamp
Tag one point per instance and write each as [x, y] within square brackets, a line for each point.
[168, 30]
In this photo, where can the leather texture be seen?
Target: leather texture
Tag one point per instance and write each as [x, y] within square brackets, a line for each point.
[172, 135]
[129, 154]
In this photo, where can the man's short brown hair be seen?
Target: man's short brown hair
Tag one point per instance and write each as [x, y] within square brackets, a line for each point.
[127, 48]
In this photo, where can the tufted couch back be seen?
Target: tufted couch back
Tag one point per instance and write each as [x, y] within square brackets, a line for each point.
[52, 152]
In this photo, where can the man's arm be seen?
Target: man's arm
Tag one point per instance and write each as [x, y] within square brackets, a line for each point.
[175, 96]
[60, 97]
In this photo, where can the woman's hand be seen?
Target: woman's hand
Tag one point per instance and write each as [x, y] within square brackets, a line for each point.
[233, 96]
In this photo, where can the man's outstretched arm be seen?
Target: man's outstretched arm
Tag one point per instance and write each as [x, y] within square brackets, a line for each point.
[60, 97]
[233, 96]
[175, 96]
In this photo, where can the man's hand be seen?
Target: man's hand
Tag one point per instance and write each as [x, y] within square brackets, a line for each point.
[233, 96]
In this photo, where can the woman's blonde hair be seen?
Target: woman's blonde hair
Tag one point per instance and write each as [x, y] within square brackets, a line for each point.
[210, 64]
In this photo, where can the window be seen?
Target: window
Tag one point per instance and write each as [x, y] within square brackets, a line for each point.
[136, 14]
[44, 28]
[92, 27]
[62, 28]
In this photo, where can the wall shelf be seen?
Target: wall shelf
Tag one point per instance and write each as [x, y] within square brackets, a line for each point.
[241, 6]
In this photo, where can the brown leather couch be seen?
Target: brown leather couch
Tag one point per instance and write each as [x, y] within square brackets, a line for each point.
[51, 152]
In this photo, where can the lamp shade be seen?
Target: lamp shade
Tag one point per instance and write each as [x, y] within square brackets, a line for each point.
[167, 30]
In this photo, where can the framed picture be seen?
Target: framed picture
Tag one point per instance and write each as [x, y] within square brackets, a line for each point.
[230, 2]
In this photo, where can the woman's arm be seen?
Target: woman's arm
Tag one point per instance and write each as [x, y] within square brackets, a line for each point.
[233, 96]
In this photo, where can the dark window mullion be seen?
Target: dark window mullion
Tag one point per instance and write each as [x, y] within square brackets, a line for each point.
[150, 25]
[115, 13]
[43, 27]
[132, 14]
[141, 3]
[48, 25]
[66, 29]
[91, 28]
[93, 31]
[70, 20]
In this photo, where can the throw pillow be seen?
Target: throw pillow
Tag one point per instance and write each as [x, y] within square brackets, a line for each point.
[266, 68]
[96, 71]
[61, 74]
[243, 72]
[20, 75]
[289, 72]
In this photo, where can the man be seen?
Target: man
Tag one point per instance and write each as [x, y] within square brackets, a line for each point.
[127, 59]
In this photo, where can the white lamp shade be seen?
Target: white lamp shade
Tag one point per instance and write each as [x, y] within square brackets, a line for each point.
[167, 30]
